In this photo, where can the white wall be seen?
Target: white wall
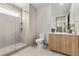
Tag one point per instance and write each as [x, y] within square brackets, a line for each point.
[43, 22]
[39, 21]
[29, 25]
[58, 10]
[25, 26]
[74, 16]
[33, 19]
[46, 18]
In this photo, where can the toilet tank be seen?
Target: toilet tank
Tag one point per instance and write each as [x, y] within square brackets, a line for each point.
[41, 36]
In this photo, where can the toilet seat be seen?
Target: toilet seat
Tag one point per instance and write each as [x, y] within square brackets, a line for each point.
[39, 41]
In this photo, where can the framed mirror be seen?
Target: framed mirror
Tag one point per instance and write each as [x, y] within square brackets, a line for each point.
[61, 24]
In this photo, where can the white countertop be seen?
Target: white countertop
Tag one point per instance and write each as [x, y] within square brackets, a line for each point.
[64, 33]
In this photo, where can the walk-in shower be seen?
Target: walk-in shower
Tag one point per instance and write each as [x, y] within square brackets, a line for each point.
[10, 32]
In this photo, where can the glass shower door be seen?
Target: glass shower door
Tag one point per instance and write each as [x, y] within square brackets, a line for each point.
[9, 33]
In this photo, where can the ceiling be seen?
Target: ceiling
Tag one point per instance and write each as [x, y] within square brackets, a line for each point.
[20, 5]
[55, 6]
[60, 9]
[36, 5]
[39, 5]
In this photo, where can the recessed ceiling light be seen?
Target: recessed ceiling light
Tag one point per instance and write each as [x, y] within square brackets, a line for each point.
[61, 3]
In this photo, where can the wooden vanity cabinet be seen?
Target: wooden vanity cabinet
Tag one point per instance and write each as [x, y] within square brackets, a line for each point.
[63, 43]
[75, 45]
[54, 42]
[67, 44]
[58, 41]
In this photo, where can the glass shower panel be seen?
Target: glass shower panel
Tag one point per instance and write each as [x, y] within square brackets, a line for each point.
[9, 33]
[17, 32]
[13, 32]
[2, 32]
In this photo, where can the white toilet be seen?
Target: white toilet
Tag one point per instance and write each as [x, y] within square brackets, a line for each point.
[40, 41]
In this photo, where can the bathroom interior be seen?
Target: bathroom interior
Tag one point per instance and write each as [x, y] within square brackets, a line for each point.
[43, 29]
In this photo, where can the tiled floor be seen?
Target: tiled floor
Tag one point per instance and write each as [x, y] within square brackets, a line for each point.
[33, 51]
[11, 48]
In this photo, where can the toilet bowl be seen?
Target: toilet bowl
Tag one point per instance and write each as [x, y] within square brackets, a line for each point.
[40, 41]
